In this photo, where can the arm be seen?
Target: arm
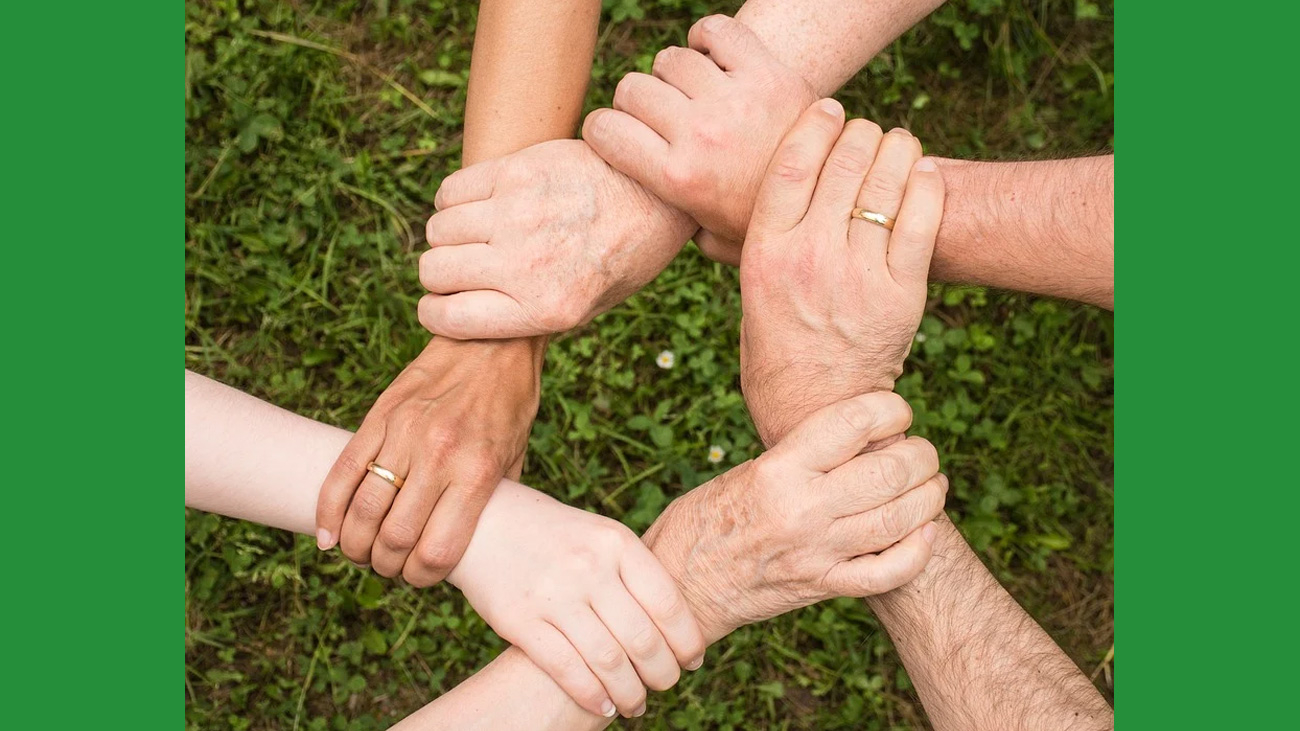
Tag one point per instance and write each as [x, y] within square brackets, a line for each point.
[578, 592]
[247, 459]
[1004, 224]
[813, 283]
[529, 70]
[977, 659]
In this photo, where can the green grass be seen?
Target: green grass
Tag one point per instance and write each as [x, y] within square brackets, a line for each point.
[309, 173]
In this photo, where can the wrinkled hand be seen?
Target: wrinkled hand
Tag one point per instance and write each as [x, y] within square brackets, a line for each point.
[700, 131]
[809, 520]
[582, 596]
[539, 242]
[452, 424]
[831, 303]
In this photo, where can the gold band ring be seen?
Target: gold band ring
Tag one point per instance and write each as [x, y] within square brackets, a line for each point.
[386, 475]
[879, 219]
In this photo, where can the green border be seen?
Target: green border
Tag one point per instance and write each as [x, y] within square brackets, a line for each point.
[93, 131]
[1206, 507]
[93, 127]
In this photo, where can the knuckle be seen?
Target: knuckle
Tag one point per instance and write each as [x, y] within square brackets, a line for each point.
[893, 470]
[857, 415]
[669, 606]
[926, 453]
[399, 536]
[644, 643]
[369, 505]
[792, 165]
[609, 658]
[438, 556]
[664, 58]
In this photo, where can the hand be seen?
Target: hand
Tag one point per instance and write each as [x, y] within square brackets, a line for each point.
[582, 596]
[452, 423]
[831, 303]
[809, 520]
[539, 242]
[699, 132]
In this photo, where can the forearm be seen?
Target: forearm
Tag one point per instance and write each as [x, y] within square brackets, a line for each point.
[247, 459]
[1043, 227]
[528, 74]
[976, 658]
[828, 41]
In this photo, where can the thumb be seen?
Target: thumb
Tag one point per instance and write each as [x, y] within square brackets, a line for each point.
[837, 433]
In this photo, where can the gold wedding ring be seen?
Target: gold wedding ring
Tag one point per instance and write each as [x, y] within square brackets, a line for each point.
[879, 219]
[386, 475]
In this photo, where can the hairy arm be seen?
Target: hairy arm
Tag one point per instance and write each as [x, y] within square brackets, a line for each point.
[977, 659]
[1041, 227]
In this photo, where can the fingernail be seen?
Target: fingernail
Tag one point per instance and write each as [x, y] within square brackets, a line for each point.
[928, 532]
[639, 712]
[696, 663]
[324, 541]
[900, 130]
[926, 165]
[831, 107]
[711, 22]
[608, 710]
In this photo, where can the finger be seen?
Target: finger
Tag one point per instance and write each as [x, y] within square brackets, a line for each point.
[873, 479]
[400, 531]
[882, 191]
[717, 248]
[876, 530]
[462, 224]
[729, 42]
[472, 315]
[342, 481]
[370, 506]
[654, 589]
[605, 657]
[629, 146]
[845, 170]
[878, 573]
[641, 640]
[474, 183]
[555, 655]
[652, 101]
[792, 174]
[688, 70]
[836, 433]
[448, 530]
[452, 269]
[911, 243]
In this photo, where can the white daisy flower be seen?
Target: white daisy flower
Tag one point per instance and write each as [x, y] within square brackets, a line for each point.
[666, 359]
[716, 454]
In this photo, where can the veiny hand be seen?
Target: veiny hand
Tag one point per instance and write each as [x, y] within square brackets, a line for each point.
[539, 242]
[452, 424]
[809, 520]
[700, 131]
[831, 303]
[582, 596]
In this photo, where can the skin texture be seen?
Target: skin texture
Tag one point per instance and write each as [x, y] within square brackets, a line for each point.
[521, 93]
[571, 588]
[697, 134]
[796, 342]
[508, 231]
[977, 659]
[247, 459]
[733, 571]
